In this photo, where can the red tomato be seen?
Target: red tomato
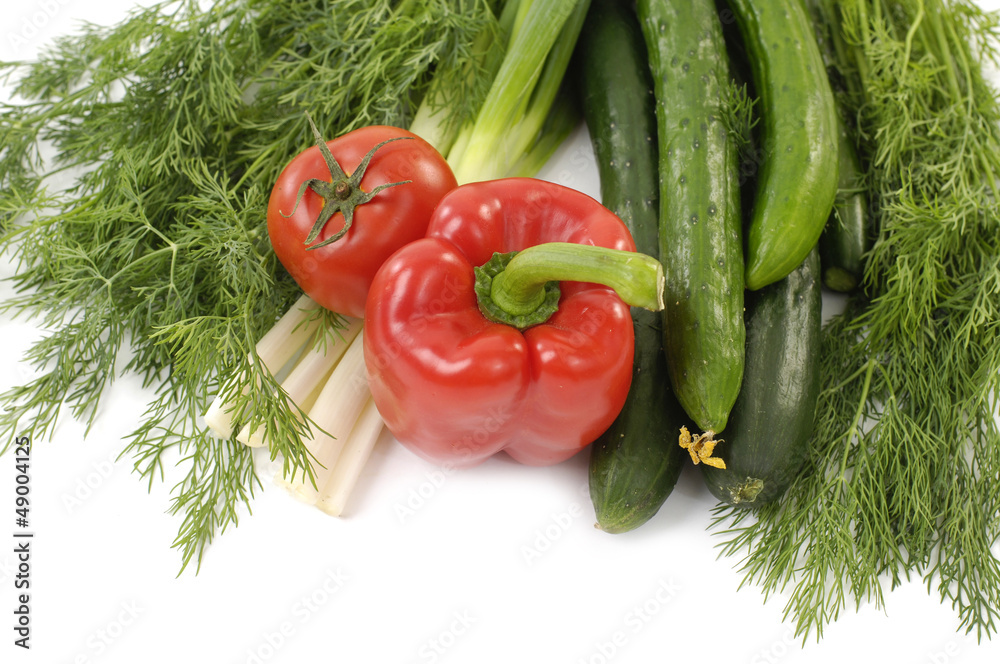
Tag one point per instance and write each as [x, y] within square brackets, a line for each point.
[338, 275]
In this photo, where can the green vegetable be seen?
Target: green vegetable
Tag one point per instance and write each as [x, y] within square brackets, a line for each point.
[844, 240]
[700, 223]
[901, 479]
[772, 420]
[170, 128]
[797, 182]
[522, 99]
[635, 464]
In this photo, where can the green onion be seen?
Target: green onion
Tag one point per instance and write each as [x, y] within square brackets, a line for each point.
[523, 92]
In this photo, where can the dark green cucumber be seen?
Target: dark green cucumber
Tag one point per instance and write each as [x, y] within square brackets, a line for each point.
[701, 244]
[844, 240]
[797, 180]
[635, 463]
[772, 421]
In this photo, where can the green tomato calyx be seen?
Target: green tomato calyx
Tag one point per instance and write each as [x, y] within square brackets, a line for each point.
[342, 193]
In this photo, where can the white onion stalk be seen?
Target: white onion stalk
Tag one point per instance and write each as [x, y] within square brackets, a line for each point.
[335, 412]
[311, 371]
[275, 349]
[347, 471]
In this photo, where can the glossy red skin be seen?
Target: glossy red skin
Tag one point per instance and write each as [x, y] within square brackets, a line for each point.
[338, 275]
[456, 388]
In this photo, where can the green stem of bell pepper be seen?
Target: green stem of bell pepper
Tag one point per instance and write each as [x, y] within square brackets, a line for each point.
[522, 288]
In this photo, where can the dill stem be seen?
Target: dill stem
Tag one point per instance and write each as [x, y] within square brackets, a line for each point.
[866, 41]
[853, 430]
[171, 247]
[849, 379]
[943, 54]
[55, 170]
[251, 168]
[917, 19]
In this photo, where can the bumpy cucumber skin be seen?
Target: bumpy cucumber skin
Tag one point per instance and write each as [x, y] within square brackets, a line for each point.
[701, 245]
[772, 421]
[635, 464]
[844, 240]
[797, 180]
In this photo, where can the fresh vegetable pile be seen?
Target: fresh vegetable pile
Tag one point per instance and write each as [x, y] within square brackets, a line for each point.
[297, 239]
[901, 475]
[869, 447]
[143, 246]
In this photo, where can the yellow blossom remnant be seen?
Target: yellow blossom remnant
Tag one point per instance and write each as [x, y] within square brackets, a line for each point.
[700, 448]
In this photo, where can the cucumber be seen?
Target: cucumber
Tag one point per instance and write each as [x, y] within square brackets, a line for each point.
[772, 421]
[844, 240]
[701, 244]
[797, 180]
[634, 465]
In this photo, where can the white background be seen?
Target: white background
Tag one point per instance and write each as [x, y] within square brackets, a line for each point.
[495, 564]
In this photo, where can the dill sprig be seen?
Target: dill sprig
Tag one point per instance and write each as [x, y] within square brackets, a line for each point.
[901, 481]
[134, 173]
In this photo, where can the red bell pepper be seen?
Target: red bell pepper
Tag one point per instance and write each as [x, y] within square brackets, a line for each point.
[471, 350]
